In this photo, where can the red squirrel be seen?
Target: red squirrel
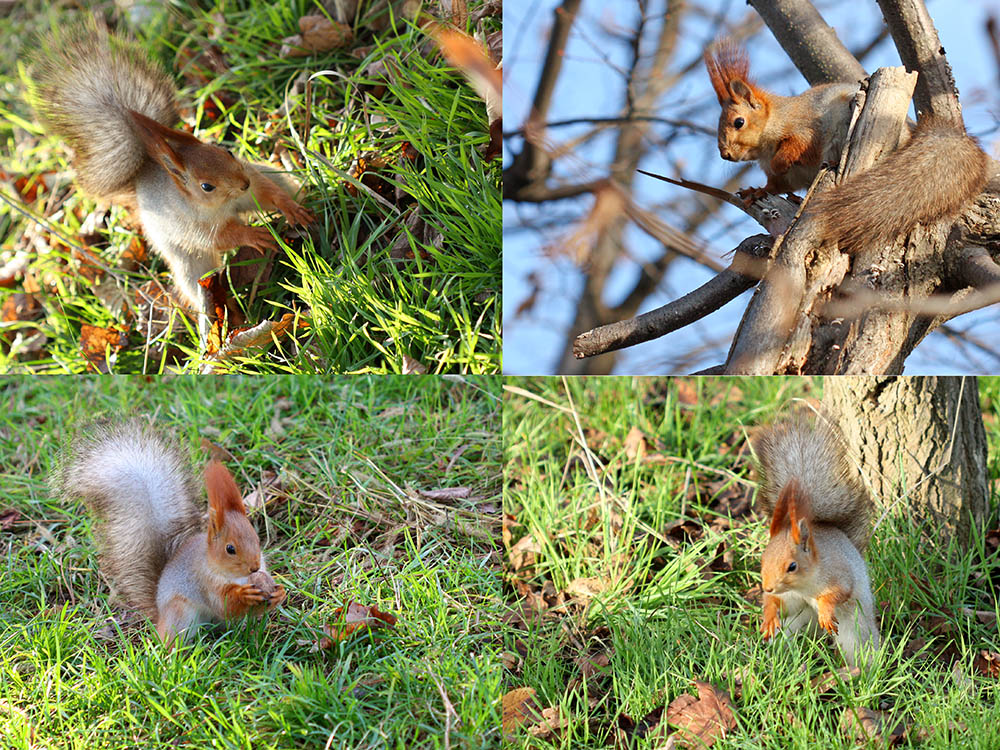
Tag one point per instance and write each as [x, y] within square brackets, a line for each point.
[153, 545]
[115, 106]
[813, 572]
[932, 177]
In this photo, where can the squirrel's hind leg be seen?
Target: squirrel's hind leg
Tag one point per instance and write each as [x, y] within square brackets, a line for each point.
[174, 618]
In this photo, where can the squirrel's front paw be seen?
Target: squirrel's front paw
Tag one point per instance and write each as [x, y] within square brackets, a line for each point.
[749, 195]
[276, 597]
[295, 214]
[828, 623]
[770, 626]
[247, 593]
[259, 238]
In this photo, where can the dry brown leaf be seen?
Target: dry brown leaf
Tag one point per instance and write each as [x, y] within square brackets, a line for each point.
[519, 707]
[828, 681]
[318, 34]
[587, 588]
[704, 719]
[987, 663]
[635, 444]
[687, 391]
[862, 724]
[259, 336]
[270, 485]
[100, 345]
[352, 619]
[524, 553]
[412, 367]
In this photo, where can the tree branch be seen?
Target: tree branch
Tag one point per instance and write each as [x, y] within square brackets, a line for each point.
[813, 46]
[743, 274]
[920, 49]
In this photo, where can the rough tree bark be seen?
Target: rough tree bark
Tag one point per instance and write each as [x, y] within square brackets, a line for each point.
[921, 444]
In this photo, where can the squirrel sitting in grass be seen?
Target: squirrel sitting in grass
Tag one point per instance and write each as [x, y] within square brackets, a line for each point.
[153, 545]
[813, 571]
[116, 108]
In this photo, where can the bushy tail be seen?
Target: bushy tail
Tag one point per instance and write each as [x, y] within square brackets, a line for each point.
[931, 178]
[82, 89]
[141, 491]
[812, 454]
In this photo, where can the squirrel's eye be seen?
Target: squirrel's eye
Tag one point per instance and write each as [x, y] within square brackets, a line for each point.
[737, 123]
[231, 550]
[208, 187]
[791, 566]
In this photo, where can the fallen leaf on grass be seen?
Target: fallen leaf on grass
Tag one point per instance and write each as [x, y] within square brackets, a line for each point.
[352, 619]
[259, 336]
[412, 367]
[8, 518]
[828, 681]
[587, 588]
[317, 34]
[270, 485]
[635, 444]
[865, 725]
[519, 707]
[987, 663]
[524, 553]
[702, 720]
[100, 345]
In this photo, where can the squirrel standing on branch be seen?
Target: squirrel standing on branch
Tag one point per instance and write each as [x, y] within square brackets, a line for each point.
[152, 543]
[115, 107]
[930, 178]
[813, 571]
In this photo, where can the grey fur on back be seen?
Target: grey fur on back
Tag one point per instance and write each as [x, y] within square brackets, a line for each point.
[85, 82]
[812, 452]
[141, 491]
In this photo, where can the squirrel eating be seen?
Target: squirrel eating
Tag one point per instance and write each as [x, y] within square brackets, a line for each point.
[931, 177]
[152, 543]
[813, 571]
[115, 107]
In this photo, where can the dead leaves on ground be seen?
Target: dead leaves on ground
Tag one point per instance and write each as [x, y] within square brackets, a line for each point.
[353, 619]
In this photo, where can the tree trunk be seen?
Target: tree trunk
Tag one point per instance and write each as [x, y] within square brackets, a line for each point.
[921, 443]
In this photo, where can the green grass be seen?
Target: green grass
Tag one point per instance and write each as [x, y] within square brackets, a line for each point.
[674, 601]
[368, 308]
[351, 454]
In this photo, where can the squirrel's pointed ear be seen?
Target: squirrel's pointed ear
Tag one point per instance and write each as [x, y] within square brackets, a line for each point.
[160, 141]
[223, 495]
[740, 91]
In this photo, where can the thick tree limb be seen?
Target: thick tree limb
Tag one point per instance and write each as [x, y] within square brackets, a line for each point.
[813, 46]
[777, 331]
[920, 49]
[709, 297]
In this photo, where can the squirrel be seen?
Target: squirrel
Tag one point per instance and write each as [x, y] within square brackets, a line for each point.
[152, 542]
[115, 106]
[937, 172]
[813, 569]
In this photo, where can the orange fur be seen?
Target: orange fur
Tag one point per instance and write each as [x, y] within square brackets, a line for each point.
[223, 494]
[825, 604]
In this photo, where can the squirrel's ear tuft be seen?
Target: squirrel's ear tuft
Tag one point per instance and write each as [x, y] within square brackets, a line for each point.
[223, 494]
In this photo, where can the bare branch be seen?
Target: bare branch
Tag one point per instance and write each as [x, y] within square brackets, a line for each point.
[742, 275]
